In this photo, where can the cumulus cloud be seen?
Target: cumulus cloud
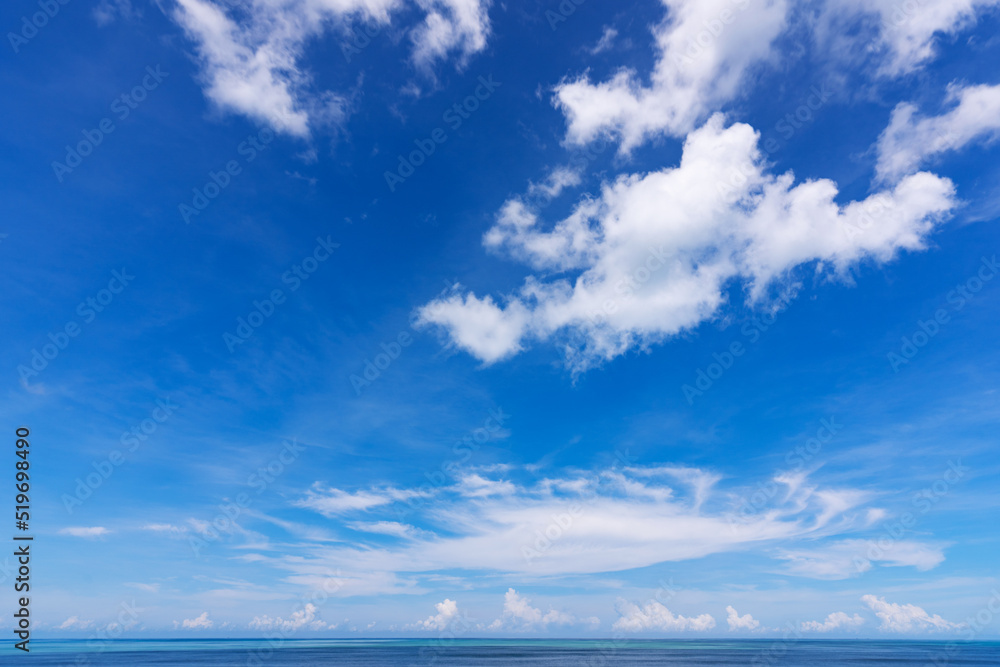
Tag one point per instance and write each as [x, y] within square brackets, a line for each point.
[654, 616]
[85, 531]
[202, 622]
[655, 254]
[838, 620]
[704, 48]
[911, 140]
[450, 25]
[305, 617]
[737, 622]
[447, 611]
[851, 558]
[906, 30]
[905, 617]
[518, 614]
[251, 57]
[74, 623]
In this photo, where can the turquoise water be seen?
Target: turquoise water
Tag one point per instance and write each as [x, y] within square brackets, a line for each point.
[497, 653]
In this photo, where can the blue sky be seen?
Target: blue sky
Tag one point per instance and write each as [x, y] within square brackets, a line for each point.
[505, 319]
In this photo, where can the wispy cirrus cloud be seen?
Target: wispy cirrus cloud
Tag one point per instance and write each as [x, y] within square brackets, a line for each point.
[852, 558]
[85, 531]
[331, 502]
[580, 523]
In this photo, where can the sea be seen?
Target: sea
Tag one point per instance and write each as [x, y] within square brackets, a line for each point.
[503, 652]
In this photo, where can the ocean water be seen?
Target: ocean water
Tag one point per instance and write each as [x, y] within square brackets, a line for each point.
[497, 653]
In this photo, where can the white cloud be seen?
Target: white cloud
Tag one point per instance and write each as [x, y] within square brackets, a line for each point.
[202, 622]
[700, 481]
[737, 622]
[331, 502]
[488, 331]
[906, 30]
[518, 614]
[108, 11]
[168, 528]
[250, 69]
[474, 485]
[558, 180]
[851, 558]
[654, 616]
[910, 140]
[85, 531]
[251, 57]
[654, 255]
[905, 617]
[74, 623]
[704, 48]
[148, 588]
[574, 524]
[838, 620]
[307, 616]
[606, 41]
[450, 25]
[447, 611]
[393, 528]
